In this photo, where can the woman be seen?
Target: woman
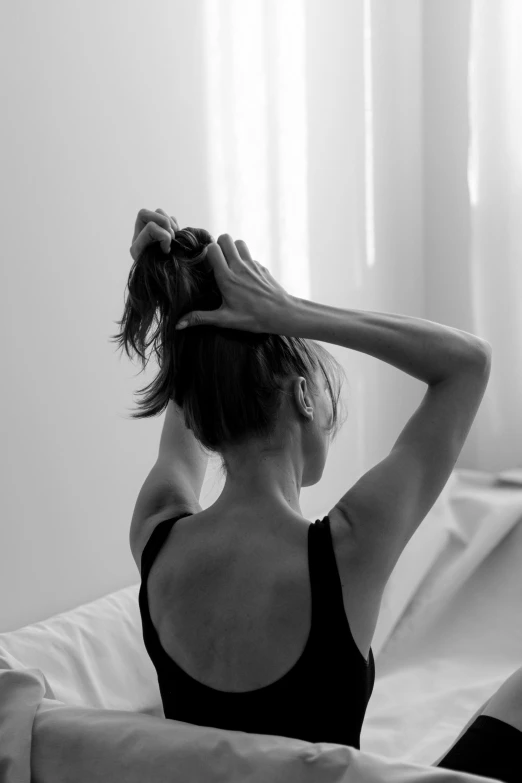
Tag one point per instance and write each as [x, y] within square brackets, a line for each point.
[255, 619]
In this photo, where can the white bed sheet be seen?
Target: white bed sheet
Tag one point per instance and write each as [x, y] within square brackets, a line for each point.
[458, 635]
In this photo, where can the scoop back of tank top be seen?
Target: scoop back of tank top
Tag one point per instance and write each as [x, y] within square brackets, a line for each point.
[323, 698]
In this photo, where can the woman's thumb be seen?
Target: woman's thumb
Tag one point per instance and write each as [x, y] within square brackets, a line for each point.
[196, 318]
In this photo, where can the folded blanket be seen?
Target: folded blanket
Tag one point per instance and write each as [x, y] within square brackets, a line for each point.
[43, 740]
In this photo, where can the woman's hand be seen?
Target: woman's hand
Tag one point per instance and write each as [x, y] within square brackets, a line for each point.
[252, 300]
[152, 227]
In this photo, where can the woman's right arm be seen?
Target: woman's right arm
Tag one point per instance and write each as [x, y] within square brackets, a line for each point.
[384, 508]
[254, 301]
[428, 351]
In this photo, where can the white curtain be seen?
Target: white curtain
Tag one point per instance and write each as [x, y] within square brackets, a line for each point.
[495, 158]
[370, 154]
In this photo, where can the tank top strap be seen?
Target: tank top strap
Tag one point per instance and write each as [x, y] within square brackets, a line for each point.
[327, 591]
[155, 542]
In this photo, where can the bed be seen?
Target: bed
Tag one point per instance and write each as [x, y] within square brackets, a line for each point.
[79, 699]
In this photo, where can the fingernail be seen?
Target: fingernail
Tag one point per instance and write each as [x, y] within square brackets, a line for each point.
[181, 324]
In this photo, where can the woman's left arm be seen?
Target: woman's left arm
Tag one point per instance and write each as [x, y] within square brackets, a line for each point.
[180, 454]
[181, 464]
[175, 480]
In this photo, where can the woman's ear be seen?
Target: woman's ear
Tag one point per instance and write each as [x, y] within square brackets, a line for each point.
[303, 398]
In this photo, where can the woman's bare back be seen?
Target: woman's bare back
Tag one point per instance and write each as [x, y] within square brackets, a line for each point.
[233, 607]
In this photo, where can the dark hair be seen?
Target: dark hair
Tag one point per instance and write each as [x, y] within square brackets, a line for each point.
[228, 382]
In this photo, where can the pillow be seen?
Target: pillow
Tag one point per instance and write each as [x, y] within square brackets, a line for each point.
[93, 655]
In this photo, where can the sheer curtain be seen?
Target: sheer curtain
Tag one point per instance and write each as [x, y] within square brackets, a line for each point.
[369, 153]
[495, 168]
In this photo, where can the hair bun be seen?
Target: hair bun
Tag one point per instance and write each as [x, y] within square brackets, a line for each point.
[190, 243]
[196, 286]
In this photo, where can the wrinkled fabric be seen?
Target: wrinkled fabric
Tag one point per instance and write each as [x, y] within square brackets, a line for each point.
[454, 632]
[45, 741]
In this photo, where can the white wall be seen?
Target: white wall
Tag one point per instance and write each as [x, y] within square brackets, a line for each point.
[102, 115]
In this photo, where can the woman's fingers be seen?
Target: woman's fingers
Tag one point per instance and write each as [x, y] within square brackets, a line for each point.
[145, 216]
[217, 261]
[243, 250]
[151, 233]
[153, 227]
[173, 222]
[230, 251]
[157, 226]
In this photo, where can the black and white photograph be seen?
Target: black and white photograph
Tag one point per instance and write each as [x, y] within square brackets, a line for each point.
[262, 391]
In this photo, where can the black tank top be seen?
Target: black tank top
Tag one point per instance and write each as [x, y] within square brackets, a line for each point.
[323, 698]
